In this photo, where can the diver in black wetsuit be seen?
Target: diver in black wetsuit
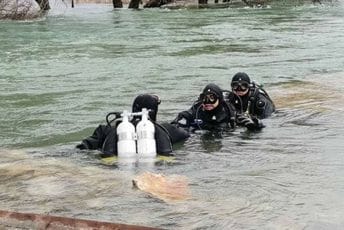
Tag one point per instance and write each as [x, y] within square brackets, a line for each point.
[209, 112]
[251, 101]
[104, 137]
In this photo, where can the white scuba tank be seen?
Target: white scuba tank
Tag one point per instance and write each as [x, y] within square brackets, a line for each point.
[126, 145]
[145, 130]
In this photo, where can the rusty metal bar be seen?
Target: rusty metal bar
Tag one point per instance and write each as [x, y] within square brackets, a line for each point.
[31, 221]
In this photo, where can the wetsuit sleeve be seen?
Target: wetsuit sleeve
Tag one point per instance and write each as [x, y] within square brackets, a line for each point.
[95, 141]
[176, 133]
[183, 119]
[264, 107]
[186, 118]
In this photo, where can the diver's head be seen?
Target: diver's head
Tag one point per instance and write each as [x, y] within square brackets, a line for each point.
[211, 97]
[240, 84]
[148, 101]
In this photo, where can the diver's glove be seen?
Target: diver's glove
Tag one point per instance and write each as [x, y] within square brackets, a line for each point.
[258, 124]
[251, 123]
[244, 120]
[81, 146]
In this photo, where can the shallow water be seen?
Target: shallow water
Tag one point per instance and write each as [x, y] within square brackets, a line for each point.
[60, 76]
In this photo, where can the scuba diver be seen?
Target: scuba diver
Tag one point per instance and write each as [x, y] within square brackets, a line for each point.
[250, 100]
[105, 137]
[209, 112]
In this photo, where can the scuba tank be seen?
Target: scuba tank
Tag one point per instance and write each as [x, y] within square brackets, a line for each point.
[126, 145]
[146, 144]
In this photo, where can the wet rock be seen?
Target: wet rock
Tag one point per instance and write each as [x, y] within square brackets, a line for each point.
[19, 9]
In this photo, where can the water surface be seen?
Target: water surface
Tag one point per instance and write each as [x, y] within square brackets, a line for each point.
[61, 75]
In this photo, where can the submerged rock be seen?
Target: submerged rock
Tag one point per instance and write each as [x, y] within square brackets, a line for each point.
[167, 188]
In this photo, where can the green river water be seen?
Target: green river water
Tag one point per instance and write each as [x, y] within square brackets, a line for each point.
[61, 75]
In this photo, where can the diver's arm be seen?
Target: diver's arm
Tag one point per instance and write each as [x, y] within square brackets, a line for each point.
[175, 133]
[264, 107]
[186, 118]
[95, 141]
